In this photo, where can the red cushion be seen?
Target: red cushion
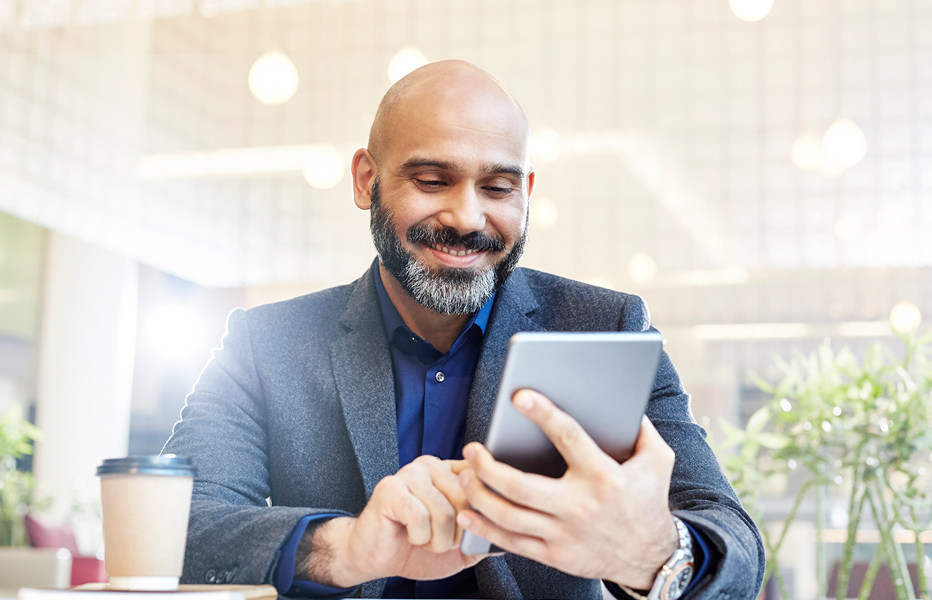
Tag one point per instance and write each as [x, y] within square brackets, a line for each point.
[87, 569]
[44, 536]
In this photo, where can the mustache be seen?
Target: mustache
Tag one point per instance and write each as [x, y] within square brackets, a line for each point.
[449, 237]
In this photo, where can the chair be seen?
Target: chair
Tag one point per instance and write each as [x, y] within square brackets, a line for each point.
[84, 569]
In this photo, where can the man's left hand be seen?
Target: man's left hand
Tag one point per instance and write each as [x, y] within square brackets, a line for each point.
[601, 519]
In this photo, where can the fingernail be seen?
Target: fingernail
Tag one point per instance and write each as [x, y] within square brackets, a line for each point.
[463, 520]
[524, 401]
[469, 452]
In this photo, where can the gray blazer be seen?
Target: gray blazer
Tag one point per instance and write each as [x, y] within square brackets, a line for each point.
[295, 415]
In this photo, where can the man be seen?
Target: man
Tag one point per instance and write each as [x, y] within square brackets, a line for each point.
[313, 404]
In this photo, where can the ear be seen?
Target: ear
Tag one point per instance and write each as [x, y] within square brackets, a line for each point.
[531, 178]
[364, 171]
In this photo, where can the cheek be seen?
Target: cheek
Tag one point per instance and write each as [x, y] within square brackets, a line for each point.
[512, 221]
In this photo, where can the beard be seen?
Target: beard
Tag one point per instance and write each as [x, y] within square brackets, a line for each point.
[445, 290]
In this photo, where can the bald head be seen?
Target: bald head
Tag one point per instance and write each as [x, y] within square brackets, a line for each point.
[455, 91]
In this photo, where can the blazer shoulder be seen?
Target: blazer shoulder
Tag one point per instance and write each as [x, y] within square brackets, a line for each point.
[317, 309]
[576, 305]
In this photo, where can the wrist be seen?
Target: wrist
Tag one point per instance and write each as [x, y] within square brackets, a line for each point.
[675, 575]
[329, 562]
[654, 556]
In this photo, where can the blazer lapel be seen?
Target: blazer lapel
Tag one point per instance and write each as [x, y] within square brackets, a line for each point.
[513, 303]
[362, 368]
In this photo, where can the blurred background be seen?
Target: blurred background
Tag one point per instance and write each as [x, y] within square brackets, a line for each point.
[760, 171]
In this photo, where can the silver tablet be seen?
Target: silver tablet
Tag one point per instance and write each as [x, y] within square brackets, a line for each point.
[603, 380]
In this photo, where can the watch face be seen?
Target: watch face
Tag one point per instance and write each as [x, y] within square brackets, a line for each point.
[678, 581]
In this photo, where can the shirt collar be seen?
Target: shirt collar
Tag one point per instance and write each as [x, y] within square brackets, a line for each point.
[393, 320]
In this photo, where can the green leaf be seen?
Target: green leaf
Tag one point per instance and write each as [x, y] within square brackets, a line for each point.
[758, 420]
[774, 441]
[761, 383]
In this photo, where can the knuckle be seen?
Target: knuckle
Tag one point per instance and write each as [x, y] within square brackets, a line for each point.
[514, 490]
[444, 517]
[415, 507]
[426, 460]
[500, 515]
[387, 484]
[570, 434]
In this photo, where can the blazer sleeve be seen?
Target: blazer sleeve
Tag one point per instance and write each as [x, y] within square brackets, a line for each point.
[700, 494]
[234, 536]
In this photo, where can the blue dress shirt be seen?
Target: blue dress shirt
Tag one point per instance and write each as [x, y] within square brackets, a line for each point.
[431, 401]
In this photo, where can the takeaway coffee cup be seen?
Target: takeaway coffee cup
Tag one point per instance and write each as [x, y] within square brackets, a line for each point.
[146, 501]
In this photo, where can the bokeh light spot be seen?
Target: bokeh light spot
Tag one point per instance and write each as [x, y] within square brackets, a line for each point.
[404, 61]
[905, 317]
[544, 214]
[273, 79]
[642, 267]
[751, 10]
[325, 170]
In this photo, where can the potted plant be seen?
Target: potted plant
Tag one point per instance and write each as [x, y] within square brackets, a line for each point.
[17, 489]
[863, 428]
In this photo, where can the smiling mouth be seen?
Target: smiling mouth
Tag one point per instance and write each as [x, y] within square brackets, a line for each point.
[452, 251]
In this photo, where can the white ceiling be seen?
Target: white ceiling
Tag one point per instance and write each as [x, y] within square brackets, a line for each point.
[674, 118]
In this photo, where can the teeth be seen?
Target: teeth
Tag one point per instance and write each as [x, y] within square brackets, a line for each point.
[452, 252]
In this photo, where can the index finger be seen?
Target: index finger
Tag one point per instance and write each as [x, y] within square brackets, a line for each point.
[569, 438]
[458, 466]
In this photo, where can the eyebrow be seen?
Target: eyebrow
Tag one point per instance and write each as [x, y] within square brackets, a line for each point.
[492, 169]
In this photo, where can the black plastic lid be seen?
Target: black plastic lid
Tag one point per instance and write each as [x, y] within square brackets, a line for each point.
[165, 464]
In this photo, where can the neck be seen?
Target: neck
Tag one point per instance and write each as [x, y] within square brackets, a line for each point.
[438, 329]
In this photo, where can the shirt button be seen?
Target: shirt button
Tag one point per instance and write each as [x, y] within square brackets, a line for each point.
[439, 377]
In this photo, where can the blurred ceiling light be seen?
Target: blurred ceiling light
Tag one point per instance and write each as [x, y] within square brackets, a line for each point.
[232, 162]
[543, 213]
[844, 143]
[405, 60]
[174, 331]
[642, 267]
[545, 145]
[273, 79]
[828, 167]
[751, 10]
[325, 170]
[806, 151]
[905, 317]
[848, 228]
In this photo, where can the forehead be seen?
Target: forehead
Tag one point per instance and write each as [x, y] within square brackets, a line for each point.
[469, 128]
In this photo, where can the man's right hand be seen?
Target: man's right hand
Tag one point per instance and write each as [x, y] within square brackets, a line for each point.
[407, 529]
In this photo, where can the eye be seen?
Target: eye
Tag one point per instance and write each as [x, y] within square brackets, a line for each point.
[430, 183]
[498, 191]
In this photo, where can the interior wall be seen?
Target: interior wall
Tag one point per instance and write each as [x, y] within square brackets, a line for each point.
[22, 269]
[85, 365]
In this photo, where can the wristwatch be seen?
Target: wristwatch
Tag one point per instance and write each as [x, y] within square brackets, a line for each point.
[675, 575]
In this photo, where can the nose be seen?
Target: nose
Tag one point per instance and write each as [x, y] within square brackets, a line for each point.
[462, 210]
